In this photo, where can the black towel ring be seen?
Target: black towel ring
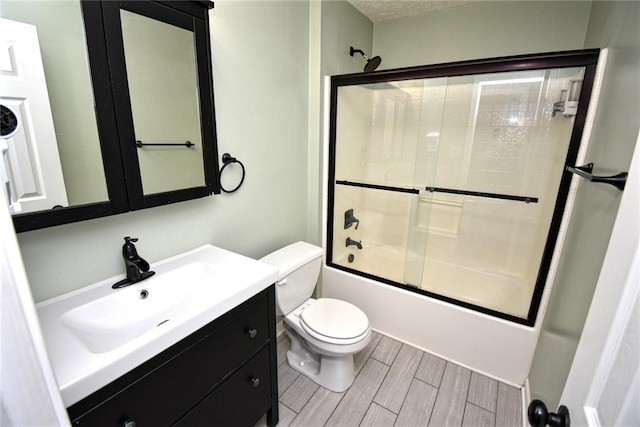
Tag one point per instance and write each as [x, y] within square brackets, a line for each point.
[227, 160]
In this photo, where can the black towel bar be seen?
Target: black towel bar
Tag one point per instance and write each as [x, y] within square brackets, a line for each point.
[586, 172]
[187, 144]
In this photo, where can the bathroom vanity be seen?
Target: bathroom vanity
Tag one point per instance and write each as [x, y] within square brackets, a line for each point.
[210, 361]
[220, 375]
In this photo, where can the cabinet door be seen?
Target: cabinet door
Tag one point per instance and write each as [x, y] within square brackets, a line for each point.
[239, 401]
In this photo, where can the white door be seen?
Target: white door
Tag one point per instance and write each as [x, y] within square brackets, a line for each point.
[28, 390]
[603, 387]
[30, 160]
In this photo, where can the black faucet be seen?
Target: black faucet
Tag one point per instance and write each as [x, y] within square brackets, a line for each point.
[350, 242]
[137, 269]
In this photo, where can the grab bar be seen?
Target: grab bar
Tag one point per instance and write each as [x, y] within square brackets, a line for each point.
[187, 144]
[586, 172]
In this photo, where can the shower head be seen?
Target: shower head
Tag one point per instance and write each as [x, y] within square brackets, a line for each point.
[372, 63]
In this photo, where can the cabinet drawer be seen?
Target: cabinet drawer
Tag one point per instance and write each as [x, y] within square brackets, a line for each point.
[159, 396]
[239, 401]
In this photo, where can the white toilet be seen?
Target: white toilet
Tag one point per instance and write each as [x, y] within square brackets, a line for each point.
[325, 333]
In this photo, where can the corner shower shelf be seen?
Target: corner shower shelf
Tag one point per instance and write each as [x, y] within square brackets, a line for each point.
[586, 172]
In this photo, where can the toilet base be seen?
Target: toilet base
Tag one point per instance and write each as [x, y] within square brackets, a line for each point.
[335, 373]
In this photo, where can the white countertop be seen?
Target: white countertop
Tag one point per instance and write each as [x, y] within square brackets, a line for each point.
[80, 372]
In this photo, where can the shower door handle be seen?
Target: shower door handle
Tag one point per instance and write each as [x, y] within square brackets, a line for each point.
[539, 416]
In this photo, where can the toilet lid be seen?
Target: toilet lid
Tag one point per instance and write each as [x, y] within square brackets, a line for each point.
[334, 319]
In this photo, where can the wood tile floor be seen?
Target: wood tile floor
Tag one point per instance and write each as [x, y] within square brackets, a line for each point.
[397, 385]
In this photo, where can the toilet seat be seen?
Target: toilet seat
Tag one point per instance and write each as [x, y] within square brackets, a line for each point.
[334, 321]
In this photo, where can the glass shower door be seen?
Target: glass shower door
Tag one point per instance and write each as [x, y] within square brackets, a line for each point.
[387, 137]
[498, 173]
[429, 99]
[454, 186]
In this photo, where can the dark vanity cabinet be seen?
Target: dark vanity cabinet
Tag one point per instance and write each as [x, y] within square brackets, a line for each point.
[224, 374]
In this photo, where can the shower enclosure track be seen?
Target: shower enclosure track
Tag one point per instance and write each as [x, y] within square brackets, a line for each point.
[525, 199]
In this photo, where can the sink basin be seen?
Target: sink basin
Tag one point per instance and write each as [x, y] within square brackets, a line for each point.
[111, 321]
[96, 334]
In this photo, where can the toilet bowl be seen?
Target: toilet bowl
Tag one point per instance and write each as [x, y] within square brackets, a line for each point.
[325, 333]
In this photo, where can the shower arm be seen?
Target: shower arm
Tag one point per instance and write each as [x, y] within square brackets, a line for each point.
[352, 50]
[372, 63]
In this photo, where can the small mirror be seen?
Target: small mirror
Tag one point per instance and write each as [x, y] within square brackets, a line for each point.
[159, 54]
[53, 159]
[163, 87]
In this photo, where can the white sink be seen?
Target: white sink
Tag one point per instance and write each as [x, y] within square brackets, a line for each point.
[113, 320]
[96, 334]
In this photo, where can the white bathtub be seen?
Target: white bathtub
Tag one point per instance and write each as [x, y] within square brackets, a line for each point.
[489, 345]
[504, 293]
[499, 292]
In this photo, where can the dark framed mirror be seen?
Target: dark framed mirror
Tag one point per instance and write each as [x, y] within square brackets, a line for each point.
[159, 54]
[109, 101]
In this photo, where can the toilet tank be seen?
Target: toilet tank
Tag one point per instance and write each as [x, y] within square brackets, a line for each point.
[299, 266]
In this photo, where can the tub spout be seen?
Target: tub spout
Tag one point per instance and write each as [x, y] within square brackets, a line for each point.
[353, 242]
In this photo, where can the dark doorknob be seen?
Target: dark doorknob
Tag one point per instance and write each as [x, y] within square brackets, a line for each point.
[539, 416]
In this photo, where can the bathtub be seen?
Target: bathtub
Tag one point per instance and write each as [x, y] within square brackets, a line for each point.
[504, 293]
[494, 347]
[500, 292]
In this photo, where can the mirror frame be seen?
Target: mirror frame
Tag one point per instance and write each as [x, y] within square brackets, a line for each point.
[105, 52]
[191, 19]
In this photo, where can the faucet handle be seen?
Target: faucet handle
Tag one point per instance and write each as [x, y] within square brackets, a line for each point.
[128, 249]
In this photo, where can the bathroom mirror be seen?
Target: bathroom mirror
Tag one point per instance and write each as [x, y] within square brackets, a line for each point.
[166, 122]
[164, 97]
[103, 109]
[50, 36]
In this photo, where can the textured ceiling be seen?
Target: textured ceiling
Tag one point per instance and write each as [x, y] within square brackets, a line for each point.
[382, 10]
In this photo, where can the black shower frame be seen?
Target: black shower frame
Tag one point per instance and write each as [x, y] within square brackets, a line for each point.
[566, 59]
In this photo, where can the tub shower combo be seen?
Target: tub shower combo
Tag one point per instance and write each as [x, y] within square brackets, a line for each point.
[450, 181]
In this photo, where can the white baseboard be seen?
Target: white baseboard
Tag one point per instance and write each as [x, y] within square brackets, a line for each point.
[526, 398]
